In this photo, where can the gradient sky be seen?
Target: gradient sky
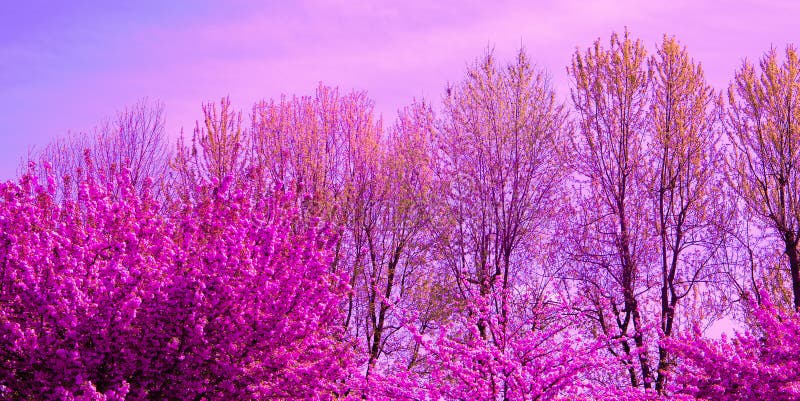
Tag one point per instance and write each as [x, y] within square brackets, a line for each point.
[68, 65]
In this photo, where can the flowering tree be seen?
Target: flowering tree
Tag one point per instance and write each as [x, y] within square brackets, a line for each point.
[761, 363]
[102, 298]
[309, 252]
[74, 276]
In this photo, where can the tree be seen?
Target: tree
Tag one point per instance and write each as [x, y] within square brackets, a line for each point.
[328, 148]
[763, 124]
[134, 139]
[219, 148]
[683, 160]
[319, 144]
[612, 243]
[395, 222]
[226, 298]
[497, 163]
[498, 156]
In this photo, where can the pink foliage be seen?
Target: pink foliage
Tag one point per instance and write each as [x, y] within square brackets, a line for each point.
[520, 363]
[538, 364]
[104, 299]
[762, 363]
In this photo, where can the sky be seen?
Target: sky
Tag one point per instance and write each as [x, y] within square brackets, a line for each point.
[67, 66]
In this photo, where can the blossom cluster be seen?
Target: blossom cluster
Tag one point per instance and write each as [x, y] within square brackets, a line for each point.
[104, 297]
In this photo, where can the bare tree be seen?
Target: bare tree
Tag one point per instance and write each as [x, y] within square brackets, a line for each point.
[135, 140]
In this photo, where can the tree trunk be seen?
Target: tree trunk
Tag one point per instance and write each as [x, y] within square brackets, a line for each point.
[794, 266]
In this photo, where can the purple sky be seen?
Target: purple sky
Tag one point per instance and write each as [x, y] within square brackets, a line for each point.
[67, 65]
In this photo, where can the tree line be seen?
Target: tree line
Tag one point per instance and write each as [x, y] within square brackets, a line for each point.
[499, 245]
